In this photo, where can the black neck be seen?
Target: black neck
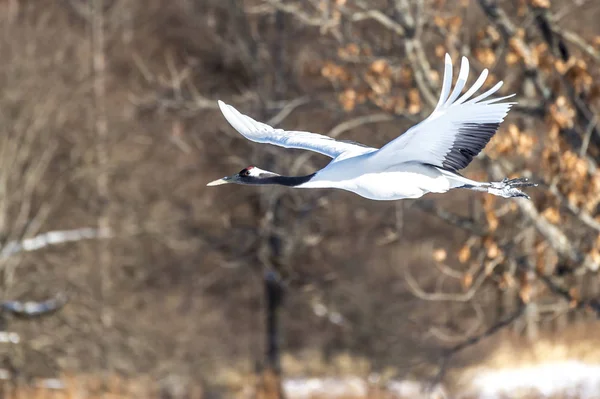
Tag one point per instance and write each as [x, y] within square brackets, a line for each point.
[290, 181]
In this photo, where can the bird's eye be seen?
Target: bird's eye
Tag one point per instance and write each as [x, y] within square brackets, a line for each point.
[245, 173]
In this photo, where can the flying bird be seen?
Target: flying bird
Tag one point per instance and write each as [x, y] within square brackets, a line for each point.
[425, 159]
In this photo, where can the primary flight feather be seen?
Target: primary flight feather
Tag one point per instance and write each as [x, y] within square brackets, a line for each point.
[424, 159]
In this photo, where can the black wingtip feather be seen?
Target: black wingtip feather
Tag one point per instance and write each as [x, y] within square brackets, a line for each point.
[471, 139]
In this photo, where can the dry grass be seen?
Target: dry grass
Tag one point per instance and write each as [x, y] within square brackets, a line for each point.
[91, 386]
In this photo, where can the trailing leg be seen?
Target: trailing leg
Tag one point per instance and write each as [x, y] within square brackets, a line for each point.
[506, 188]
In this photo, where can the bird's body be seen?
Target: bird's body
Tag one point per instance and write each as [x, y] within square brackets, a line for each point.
[370, 180]
[424, 159]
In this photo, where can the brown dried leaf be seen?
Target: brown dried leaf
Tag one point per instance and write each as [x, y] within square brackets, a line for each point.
[500, 144]
[464, 254]
[493, 251]
[379, 85]
[522, 9]
[440, 50]
[380, 67]
[525, 292]
[511, 58]
[518, 48]
[492, 220]
[467, 280]
[414, 99]
[455, 24]
[552, 215]
[575, 294]
[562, 113]
[573, 198]
[399, 105]
[595, 255]
[440, 21]
[350, 51]
[334, 72]
[525, 145]
[508, 280]
[348, 99]
[540, 3]
[439, 255]
[573, 304]
[579, 75]
[405, 77]
[493, 33]
[514, 131]
[486, 56]
[434, 76]
[561, 66]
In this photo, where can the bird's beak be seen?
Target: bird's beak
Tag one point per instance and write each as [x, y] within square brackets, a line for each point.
[218, 182]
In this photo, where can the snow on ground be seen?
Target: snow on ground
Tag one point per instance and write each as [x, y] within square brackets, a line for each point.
[571, 378]
[353, 387]
[306, 388]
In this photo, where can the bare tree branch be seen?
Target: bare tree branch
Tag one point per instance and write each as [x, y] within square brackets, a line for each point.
[496, 327]
[416, 290]
[32, 308]
[557, 239]
[51, 238]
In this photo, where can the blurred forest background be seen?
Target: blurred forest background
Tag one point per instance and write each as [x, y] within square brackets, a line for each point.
[110, 131]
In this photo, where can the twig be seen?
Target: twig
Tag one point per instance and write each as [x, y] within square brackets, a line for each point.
[448, 271]
[509, 32]
[443, 336]
[416, 56]
[380, 17]
[587, 136]
[34, 309]
[357, 122]
[593, 304]
[447, 297]
[51, 238]
[443, 362]
[579, 42]
[582, 215]
[302, 16]
[555, 237]
[100, 123]
[287, 109]
[464, 223]
[553, 37]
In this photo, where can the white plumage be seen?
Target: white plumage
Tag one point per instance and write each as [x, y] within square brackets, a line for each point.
[263, 133]
[424, 159]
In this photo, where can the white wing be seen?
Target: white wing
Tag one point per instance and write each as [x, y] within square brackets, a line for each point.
[263, 133]
[457, 130]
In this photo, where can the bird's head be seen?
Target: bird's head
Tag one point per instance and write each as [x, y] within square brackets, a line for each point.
[249, 175]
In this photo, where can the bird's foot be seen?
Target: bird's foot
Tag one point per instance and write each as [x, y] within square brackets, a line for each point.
[507, 188]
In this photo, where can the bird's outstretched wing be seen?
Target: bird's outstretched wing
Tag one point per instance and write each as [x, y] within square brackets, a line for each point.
[263, 133]
[458, 128]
